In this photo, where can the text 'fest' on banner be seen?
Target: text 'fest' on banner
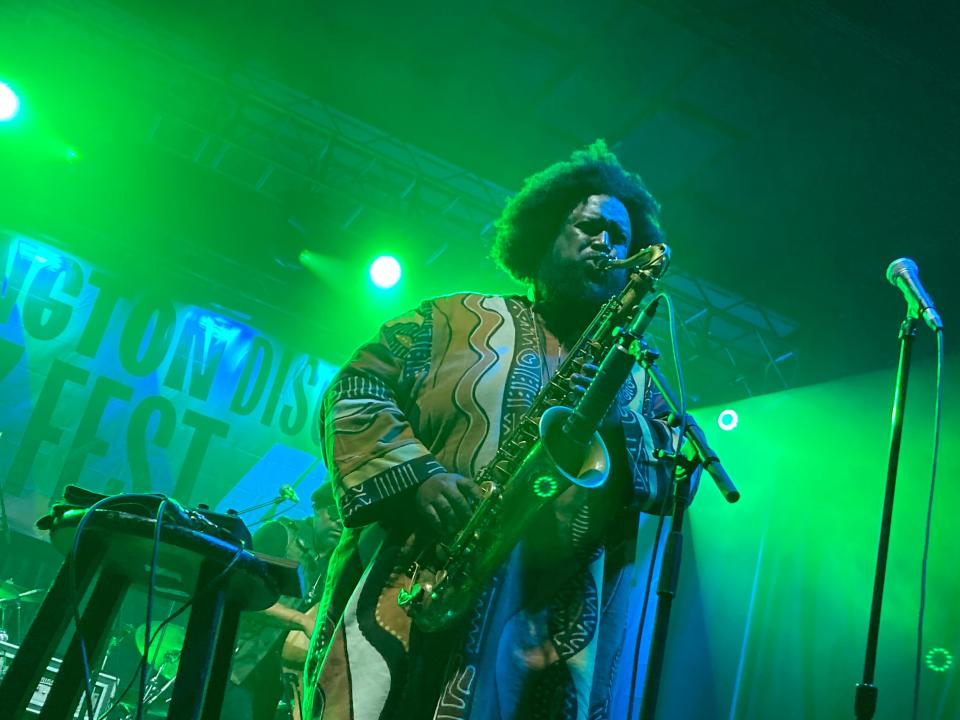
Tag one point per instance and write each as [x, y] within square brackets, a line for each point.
[137, 393]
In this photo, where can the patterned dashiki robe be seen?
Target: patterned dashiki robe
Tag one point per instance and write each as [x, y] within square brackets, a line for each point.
[435, 391]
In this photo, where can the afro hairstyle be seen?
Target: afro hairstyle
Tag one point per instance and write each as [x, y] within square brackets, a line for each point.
[533, 217]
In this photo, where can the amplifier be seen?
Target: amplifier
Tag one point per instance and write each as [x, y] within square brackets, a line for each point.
[104, 688]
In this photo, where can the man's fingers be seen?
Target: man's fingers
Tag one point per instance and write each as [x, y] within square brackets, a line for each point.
[449, 521]
[470, 488]
[446, 500]
[459, 503]
[433, 518]
[579, 383]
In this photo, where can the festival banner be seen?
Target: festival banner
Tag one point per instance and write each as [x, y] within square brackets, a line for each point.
[119, 392]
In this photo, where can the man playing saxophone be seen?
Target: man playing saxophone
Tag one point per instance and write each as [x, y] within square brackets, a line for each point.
[416, 415]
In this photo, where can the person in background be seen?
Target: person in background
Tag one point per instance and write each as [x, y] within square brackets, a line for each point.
[260, 670]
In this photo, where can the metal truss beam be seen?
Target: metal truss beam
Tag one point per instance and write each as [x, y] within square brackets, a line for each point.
[281, 143]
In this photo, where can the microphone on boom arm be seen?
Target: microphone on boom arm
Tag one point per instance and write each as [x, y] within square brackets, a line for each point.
[288, 493]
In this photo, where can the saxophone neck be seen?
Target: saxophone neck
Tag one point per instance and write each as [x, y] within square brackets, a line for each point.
[652, 261]
[646, 268]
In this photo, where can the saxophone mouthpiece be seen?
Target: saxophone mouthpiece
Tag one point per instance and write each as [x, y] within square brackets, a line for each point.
[653, 258]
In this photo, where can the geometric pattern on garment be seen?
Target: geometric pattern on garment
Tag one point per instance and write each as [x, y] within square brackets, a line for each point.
[601, 709]
[574, 614]
[453, 702]
[551, 696]
[527, 375]
[369, 688]
[456, 701]
[399, 336]
[574, 629]
[639, 444]
[585, 546]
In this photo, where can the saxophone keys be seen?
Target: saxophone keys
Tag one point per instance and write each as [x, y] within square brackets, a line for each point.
[407, 596]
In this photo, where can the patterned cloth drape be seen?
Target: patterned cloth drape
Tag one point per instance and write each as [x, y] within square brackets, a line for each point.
[435, 392]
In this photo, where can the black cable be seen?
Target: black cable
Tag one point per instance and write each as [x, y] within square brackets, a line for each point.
[75, 606]
[937, 416]
[151, 586]
[75, 600]
[662, 509]
[177, 613]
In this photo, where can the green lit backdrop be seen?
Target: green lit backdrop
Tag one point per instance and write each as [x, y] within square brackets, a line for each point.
[776, 590]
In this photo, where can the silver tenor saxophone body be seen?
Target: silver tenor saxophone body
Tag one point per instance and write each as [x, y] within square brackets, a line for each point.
[552, 447]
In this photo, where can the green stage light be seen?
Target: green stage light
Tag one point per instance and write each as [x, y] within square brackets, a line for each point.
[939, 659]
[311, 261]
[9, 103]
[385, 271]
[728, 419]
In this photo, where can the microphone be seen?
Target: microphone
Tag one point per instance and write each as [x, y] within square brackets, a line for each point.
[645, 317]
[903, 273]
[288, 493]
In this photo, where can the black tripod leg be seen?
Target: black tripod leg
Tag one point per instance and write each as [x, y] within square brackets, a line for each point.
[96, 621]
[223, 657]
[199, 648]
[56, 612]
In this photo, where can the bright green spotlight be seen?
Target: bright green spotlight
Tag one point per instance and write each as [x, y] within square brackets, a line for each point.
[9, 103]
[385, 271]
[939, 659]
[728, 419]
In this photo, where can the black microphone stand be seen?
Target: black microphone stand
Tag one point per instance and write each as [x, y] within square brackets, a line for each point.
[673, 551]
[259, 506]
[865, 702]
[666, 591]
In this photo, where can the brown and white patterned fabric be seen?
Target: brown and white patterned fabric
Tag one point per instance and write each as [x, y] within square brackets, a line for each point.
[435, 391]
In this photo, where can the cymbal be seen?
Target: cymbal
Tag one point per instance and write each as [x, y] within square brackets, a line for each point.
[12, 591]
[164, 649]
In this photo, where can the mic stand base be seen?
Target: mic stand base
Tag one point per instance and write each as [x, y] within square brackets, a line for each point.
[865, 703]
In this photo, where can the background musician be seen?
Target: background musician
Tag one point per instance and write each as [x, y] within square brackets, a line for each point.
[257, 673]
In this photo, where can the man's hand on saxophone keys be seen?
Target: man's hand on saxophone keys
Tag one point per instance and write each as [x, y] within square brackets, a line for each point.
[446, 501]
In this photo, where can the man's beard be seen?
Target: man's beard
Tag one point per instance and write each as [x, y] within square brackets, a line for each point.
[578, 284]
[573, 292]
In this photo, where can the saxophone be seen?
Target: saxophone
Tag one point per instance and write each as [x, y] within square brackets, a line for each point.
[552, 447]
